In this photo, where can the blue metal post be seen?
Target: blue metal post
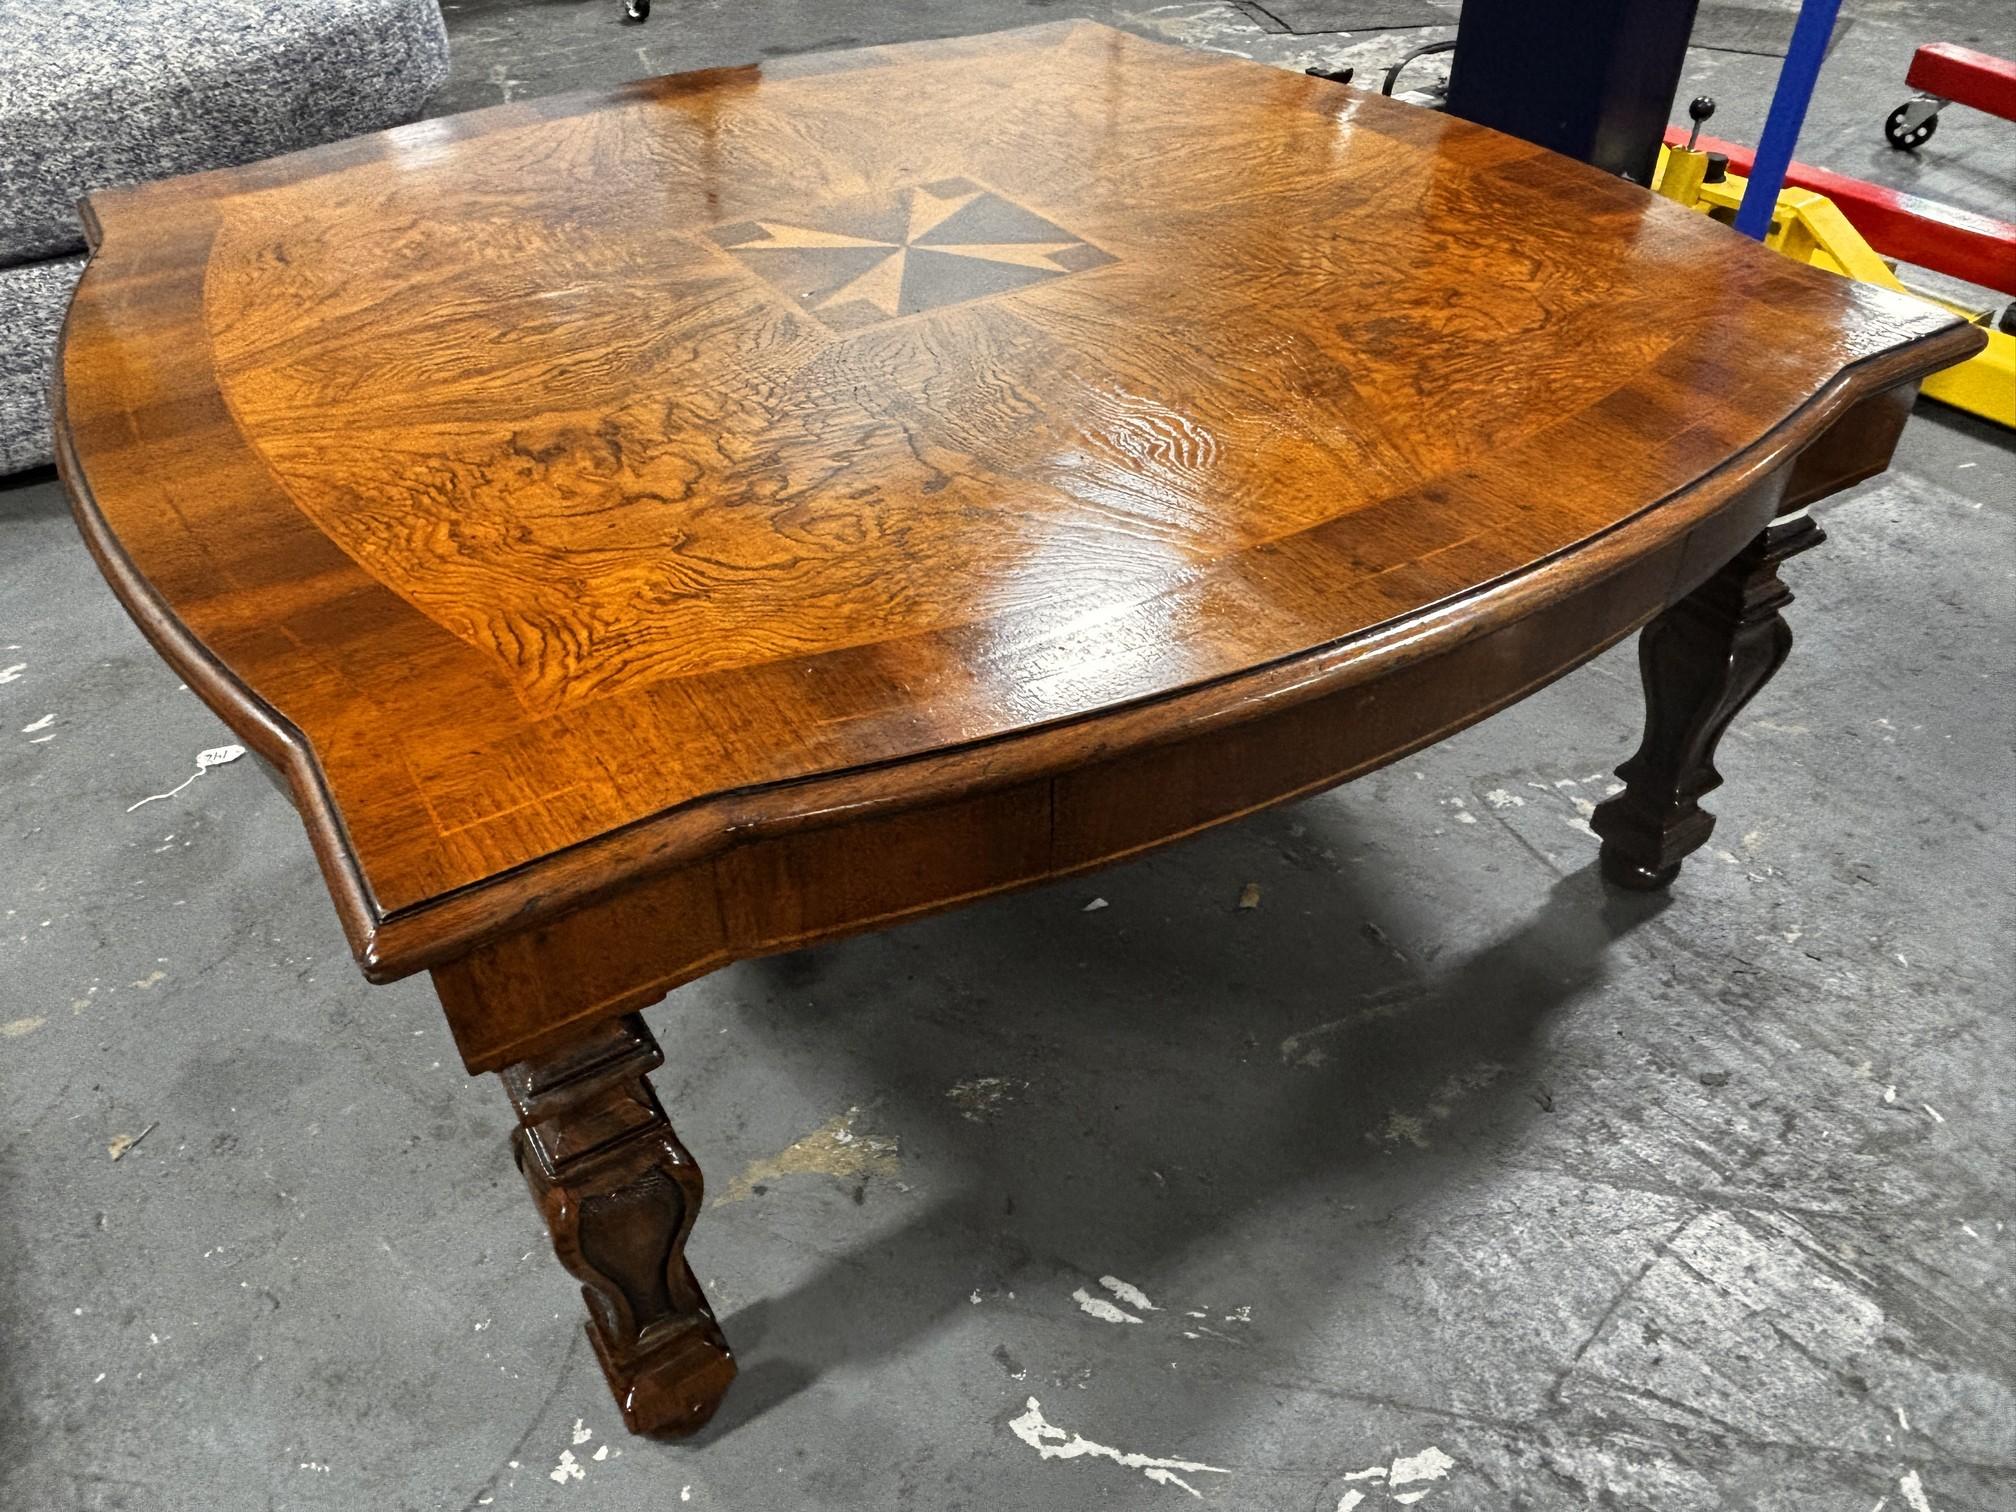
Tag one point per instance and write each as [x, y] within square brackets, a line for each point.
[1796, 79]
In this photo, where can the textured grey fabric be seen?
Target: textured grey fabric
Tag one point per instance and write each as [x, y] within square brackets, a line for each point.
[121, 91]
[32, 300]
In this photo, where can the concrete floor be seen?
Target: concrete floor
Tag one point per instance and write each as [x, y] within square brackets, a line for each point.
[1441, 1163]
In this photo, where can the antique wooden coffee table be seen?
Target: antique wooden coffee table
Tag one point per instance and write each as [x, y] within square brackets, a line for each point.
[655, 528]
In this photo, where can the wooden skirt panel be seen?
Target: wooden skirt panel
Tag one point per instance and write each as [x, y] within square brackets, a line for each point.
[526, 993]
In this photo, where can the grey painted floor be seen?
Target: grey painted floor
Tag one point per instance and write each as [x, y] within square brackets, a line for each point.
[1440, 1163]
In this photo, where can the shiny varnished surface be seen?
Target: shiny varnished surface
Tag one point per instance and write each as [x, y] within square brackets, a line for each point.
[554, 492]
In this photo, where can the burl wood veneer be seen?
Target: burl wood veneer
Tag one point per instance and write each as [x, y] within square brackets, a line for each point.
[652, 528]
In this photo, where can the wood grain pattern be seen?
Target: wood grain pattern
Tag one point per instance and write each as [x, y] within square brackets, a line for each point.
[547, 543]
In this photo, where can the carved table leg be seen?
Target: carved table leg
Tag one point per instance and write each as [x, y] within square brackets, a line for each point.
[1702, 661]
[619, 1194]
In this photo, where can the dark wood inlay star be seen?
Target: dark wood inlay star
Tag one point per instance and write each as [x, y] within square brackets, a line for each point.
[923, 248]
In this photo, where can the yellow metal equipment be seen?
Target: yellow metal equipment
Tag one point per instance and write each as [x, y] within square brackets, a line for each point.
[1807, 226]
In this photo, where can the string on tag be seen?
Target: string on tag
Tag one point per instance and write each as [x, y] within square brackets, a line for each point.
[215, 756]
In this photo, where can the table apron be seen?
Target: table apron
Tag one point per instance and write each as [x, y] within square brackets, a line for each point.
[528, 992]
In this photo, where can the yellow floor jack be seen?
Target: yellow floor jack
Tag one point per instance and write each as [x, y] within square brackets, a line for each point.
[1809, 227]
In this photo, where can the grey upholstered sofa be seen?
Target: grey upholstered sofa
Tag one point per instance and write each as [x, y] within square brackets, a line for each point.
[95, 93]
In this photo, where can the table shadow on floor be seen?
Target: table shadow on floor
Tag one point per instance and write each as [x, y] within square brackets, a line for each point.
[1250, 1151]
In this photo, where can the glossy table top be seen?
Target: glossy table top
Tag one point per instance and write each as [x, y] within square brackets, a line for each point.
[585, 464]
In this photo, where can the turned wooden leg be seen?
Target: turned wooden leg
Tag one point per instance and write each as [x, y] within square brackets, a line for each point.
[1702, 661]
[619, 1194]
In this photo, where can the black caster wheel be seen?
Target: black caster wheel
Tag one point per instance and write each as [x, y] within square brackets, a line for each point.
[2006, 321]
[1895, 133]
[637, 10]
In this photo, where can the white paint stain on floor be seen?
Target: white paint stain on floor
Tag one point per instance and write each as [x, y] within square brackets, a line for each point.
[1431, 1464]
[1100, 1308]
[1914, 1492]
[1132, 1295]
[1052, 1442]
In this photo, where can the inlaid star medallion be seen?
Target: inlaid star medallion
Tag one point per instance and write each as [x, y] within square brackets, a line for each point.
[865, 261]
